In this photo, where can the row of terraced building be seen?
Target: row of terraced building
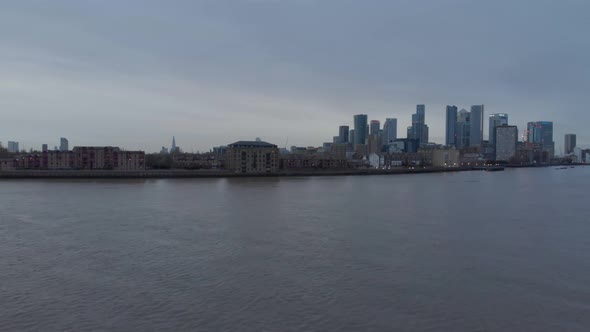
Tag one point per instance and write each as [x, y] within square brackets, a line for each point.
[81, 157]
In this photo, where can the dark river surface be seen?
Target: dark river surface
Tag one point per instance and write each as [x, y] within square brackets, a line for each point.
[470, 251]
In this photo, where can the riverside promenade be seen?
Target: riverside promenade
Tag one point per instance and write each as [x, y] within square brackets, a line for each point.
[164, 174]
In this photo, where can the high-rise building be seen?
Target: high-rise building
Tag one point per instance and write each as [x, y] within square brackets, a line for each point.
[375, 144]
[44, 148]
[351, 137]
[570, 143]
[64, 145]
[451, 128]
[375, 127]
[343, 134]
[463, 129]
[419, 129]
[496, 120]
[360, 129]
[541, 132]
[476, 130]
[174, 148]
[389, 130]
[12, 147]
[505, 142]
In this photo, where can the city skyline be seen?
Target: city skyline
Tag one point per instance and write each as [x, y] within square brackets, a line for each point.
[373, 126]
[136, 73]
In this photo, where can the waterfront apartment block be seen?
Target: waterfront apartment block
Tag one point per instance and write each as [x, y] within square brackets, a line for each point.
[83, 157]
[252, 157]
[58, 159]
[95, 157]
[313, 161]
[107, 157]
[130, 160]
[7, 164]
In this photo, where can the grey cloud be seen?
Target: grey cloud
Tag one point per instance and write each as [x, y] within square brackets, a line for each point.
[215, 71]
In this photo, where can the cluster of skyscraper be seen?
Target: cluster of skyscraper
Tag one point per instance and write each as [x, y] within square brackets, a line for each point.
[419, 130]
[370, 137]
[464, 131]
[13, 147]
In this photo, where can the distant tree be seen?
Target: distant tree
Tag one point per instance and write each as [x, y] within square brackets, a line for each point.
[158, 161]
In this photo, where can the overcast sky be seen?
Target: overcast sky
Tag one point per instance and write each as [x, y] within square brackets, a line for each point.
[134, 73]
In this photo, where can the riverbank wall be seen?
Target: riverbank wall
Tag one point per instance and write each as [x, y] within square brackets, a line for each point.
[164, 174]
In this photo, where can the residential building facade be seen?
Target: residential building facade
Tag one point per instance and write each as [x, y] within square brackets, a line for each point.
[252, 157]
[505, 143]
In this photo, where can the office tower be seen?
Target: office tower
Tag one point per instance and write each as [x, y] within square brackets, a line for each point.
[175, 149]
[351, 137]
[64, 145]
[463, 129]
[343, 133]
[541, 132]
[360, 129]
[389, 130]
[419, 130]
[375, 127]
[496, 120]
[44, 148]
[570, 143]
[421, 112]
[505, 142]
[476, 130]
[451, 129]
[12, 147]
[375, 144]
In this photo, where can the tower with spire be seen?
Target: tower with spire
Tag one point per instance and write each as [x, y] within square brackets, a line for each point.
[173, 149]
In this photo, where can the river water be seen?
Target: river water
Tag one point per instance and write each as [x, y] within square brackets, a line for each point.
[469, 251]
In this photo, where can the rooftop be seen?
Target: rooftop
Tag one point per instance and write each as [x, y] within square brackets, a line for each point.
[252, 144]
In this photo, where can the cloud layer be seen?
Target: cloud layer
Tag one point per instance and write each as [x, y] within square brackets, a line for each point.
[134, 73]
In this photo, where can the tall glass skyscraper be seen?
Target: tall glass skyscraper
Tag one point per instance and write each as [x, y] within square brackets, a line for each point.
[360, 129]
[64, 144]
[476, 134]
[541, 132]
[389, 130]
[496, 120]
[463, 129]
[451, 128]
[343, 134]
[419, 129]
[570, 143]
[375, 127]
